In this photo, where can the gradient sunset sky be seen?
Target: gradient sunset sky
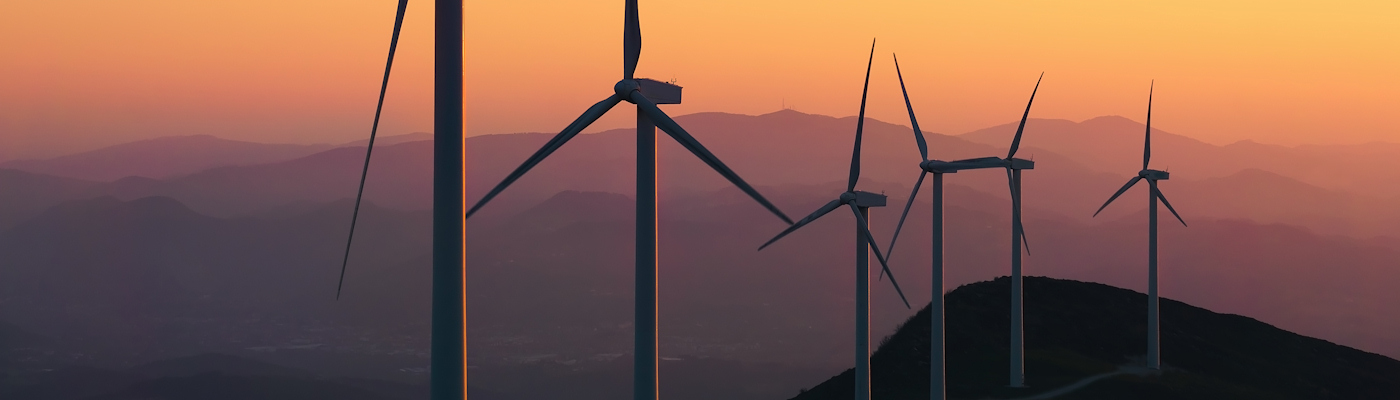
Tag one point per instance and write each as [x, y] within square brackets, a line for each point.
[80, 74]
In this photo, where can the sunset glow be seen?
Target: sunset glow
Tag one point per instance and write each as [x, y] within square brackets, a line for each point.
[1280, 72]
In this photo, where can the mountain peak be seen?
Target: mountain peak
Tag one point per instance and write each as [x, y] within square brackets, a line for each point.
[1109, 119]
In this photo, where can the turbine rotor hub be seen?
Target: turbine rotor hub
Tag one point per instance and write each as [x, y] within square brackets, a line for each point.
[848, 197]
[625, 87]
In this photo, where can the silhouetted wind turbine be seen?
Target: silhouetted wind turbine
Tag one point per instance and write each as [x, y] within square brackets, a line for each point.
[448, 361]
[646, 94]
[1154, 350]
[860, 203]
[369, 150]
[937, 375]
[1013, 168]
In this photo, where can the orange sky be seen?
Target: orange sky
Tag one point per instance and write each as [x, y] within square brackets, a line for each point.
[78, 74]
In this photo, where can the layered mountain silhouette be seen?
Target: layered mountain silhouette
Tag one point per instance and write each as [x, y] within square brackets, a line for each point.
[566, 261]
[1114, 144]
[1077, 330]
[245, 255]
[27, 194]
[145, 273]
[164, 157]
[1080, 164]
[208, 376]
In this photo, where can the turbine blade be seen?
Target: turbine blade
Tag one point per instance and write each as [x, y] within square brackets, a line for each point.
[373, 131]
[918, 134]
[579, 124]
[1016, 209]
[1016, 142]
[631, 40]
[670, 126]
[1163, 198]
[870, 239]
[1022, 228]
[1147, 141]
[1024, 242]
[907, 205]
[860, 124]
[832, 205]
[1125, 188]
[1011, 186]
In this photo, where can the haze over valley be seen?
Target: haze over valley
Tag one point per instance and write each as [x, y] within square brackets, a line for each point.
[161, 249]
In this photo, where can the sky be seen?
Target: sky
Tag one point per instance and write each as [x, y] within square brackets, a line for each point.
[81, 74]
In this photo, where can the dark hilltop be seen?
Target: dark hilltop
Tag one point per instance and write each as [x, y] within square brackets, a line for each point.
[1076, 330]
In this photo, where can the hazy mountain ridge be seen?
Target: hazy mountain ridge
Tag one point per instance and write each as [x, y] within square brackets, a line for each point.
[1088, 160]
[257, 238]
[28, 194]
[1114, 144]
[567, 262]
[154, 273]
[163, 157]
[174, 156]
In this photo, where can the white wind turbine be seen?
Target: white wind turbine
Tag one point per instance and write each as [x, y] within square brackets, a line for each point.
[859, 203]
[1154, 340]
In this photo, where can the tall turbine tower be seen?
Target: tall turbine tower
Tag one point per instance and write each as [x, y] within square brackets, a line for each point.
[860, 203]
[448, 380]
[1154, 340]
[1013, 168]
[937, 382]
[646, 94]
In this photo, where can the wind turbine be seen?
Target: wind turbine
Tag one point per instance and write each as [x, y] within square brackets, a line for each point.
[937, 374]
[1013, 168]
[645, 94]
[1154, 340]
[448, 362]
[860, 203]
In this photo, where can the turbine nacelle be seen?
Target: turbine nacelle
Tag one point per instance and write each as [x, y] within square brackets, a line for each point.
[940, 167]
[1154, 175]
[657, 91]
[863, 199]
[988, 162]
[1017, 163]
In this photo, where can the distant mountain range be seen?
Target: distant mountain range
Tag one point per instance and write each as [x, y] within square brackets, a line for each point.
[174, 156]
[162, 158]
[1330, 189]
[566, 262]
[245, 254]
[1076, 330]
[1114, 144]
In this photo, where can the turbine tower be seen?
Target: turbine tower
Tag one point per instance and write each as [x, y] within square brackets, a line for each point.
[645, 94]
[448, 380]
[1154, 340]
[937, 375]
[1013, 168]
[860, 203]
